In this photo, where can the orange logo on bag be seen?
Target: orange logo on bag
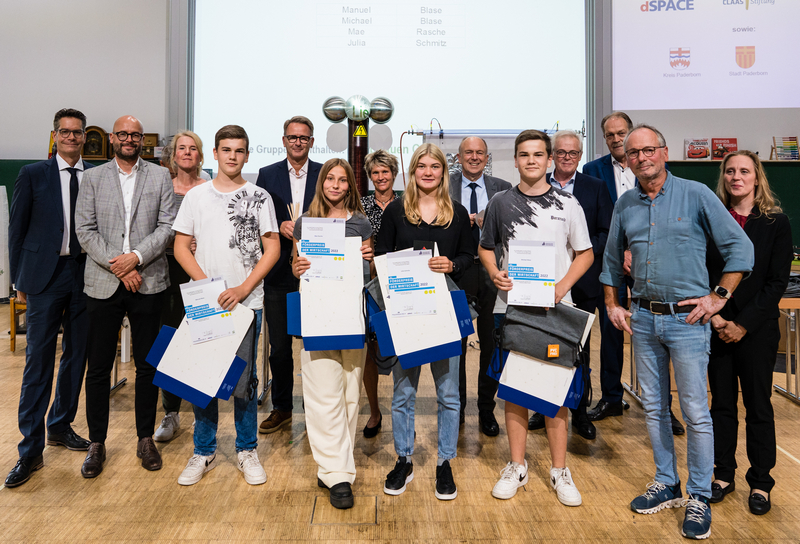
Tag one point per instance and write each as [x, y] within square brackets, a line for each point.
[552, 350]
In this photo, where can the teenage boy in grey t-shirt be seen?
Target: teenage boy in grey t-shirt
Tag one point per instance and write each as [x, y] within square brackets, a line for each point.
[534, 210]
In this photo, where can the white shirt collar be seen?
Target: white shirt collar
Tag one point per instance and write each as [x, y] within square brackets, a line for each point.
[63, 165]
[133, 170]
[303, 170]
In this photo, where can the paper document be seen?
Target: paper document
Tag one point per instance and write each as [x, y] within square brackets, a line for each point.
[322, 243]
[532, 268]
[207, 319]
[411, 289]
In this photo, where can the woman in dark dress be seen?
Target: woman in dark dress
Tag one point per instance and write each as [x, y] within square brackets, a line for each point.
[745, 345]
[381, 168]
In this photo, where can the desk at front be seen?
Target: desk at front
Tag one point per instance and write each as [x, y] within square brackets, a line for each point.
[789, 308]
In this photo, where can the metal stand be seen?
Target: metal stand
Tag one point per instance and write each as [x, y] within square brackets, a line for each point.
[789, 308]
[634, 389]
[264, 363]
[125, 354]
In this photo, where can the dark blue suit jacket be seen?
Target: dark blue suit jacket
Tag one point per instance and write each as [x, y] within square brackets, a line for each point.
[597, 207]
[36, 225]
[275, 180]
[603, 169]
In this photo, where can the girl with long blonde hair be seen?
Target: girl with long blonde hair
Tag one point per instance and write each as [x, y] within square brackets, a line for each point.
[427, 216]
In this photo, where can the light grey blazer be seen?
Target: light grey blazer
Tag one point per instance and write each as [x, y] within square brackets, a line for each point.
[493, 185]
[100, 226]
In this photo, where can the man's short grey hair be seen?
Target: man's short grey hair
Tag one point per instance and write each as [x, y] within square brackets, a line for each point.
[166, 154]
[661, 140]
[567, 134]
[461, 145]
[300, 120]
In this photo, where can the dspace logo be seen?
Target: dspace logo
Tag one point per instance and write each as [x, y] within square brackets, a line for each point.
[668, 5]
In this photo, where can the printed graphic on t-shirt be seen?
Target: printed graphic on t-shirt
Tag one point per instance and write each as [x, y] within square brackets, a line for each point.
[243, 210]
[521, 214]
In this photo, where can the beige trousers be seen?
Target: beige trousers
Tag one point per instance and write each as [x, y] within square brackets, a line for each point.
[331, 391]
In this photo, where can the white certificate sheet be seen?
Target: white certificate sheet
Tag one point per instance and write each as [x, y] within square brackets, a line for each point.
[411, 289]
[207, 319]
[322, 243]
[532, 268]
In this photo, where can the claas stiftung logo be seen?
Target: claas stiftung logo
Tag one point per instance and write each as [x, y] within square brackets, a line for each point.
[668, 5]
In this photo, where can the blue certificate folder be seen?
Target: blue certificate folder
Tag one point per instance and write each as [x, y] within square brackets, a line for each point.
[294, 327]
[509, 393]
[379, 324]
[183, 390]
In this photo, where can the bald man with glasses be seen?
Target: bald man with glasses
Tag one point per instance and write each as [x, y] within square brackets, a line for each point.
[124, 218]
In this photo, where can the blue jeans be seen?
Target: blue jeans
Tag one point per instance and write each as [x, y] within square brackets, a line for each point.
[656, 339]
[245, 416]
[445, 376]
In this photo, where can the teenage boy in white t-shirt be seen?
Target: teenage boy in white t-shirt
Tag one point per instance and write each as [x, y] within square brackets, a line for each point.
[230, 218]
[534, 210]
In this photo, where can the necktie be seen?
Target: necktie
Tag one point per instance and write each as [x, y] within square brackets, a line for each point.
[473, 208]
[74, 246]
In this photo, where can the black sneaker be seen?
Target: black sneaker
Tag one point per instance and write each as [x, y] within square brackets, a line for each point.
[445, 486]
[397, 479]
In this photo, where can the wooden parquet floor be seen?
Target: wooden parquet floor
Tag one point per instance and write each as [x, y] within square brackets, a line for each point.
[128, 504]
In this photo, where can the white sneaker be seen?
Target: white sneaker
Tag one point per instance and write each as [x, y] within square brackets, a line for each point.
[512, 477]
[169, 426]
[196, 467]
[251, 467]
[561, 480]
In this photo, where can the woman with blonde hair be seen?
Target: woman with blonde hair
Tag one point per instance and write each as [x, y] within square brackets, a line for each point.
[332, 379]
[185, 163]
[745, 346]
[424, 216]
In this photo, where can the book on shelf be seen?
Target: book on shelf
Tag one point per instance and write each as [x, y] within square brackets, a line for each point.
[722, 146]
[697, 149]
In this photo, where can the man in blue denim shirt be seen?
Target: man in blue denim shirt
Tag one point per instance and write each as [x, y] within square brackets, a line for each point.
[666, 221]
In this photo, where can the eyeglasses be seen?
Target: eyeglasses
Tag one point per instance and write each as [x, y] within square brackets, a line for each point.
[292, 139]
[571, 154]
[134, 136]
[633, 154]
[64, 133]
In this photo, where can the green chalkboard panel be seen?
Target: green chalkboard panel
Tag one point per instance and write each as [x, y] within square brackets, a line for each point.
[783, 176]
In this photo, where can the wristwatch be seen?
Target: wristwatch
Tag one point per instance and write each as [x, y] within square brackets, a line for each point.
[722, 292]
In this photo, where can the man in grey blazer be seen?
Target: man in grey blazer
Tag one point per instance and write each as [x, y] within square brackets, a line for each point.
[124, 222]
[473, 189]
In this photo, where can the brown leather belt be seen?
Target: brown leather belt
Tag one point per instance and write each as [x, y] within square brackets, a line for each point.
[663, 308]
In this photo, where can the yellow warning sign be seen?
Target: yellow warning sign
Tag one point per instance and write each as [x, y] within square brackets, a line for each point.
[360, 131]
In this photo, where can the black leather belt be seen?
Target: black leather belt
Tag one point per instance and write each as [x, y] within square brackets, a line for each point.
[663, 308]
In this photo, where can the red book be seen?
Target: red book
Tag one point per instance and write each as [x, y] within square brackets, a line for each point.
[722, 146]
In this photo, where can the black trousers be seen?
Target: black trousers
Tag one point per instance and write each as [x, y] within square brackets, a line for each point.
[476, 283]
[172, 313]
[589, 304]
[749, 362]
[281, 361]
[105, 320]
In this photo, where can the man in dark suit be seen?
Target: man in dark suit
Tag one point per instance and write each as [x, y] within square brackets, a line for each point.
[587, 293]
[473, 189]
[123, 219]
[613, 169]
[291, 183]
[47, 270]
